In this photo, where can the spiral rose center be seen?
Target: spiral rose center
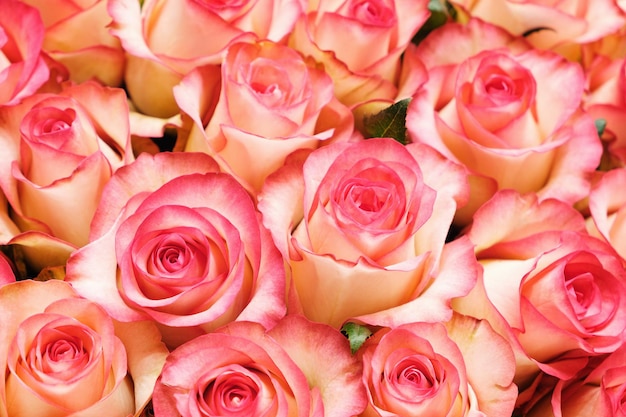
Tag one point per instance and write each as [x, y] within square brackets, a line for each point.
[583, 292]
[416, 376]
[375, 197]
[373, 12]
[61, 351]
[48, 125]
[270, 83]
[231, 392]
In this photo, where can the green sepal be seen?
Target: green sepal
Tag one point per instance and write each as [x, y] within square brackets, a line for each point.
[356, 334]
[600, 126]
[388, 123]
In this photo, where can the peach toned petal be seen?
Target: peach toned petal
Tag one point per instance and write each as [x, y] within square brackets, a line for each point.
[323, 354]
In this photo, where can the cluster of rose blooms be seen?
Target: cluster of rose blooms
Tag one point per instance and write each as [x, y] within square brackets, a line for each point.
[203, 213]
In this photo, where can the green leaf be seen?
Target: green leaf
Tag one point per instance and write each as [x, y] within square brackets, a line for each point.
[388, 123]
[356, 334]
[600, 126]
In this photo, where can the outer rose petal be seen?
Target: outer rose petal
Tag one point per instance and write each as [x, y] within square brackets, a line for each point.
[23, 25]
[237, 347]
[323, 354]
[607, 206]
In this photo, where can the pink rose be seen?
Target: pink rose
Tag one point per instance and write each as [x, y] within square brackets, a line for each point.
[61, 354]
[472, 109]
[607, 207]
[551, 24]
[297, 368]
[287, 105]
[454, 369]
[176, 242]
[58, 151]
[556, 293]
[87, 54]
[360, 43]
[7, 270]
[363, 227]
[22, 67]
[606, 102]
[158, 56]
[599, 392]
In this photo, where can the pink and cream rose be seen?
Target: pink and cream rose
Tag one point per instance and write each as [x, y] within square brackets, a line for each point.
[271, 103]
[297, 368]
[454, 369]
[159, 57]
[58, 151]
[22, 67]
[556, 293]
[600, 392]
[513, 117]
[179, 243]
[360, 43]
[62, 355]
[550, 24]
[605, 101]
[363, 227]
[607, 207]
[87, 54]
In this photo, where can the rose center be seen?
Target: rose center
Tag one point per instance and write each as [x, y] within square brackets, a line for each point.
[415, 377]
[62, 351]
[373, 12]
[269, 83]
[48, 125]
[582, 292]
[371, 199]
[231, 392]
[499, 85]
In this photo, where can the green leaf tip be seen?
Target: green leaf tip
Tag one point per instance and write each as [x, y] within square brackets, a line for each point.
[388, 123]
[356, 334]
[600, 126]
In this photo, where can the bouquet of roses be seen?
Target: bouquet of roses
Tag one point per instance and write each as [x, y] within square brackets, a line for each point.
[312, 208]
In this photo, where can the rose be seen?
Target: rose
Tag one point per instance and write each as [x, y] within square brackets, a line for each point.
[61, 354]
[607, 207]
[7, 270]
[89, 54]
[22, 68]
[57, 153]
[297, 368]
[473, 109]
[158, 56]
[606, 104]
[289, 105]
[550, 25]
[599, 392]
[363, 225]
[459, 368]
[176, 242]
[546, 279]
[360, 43]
